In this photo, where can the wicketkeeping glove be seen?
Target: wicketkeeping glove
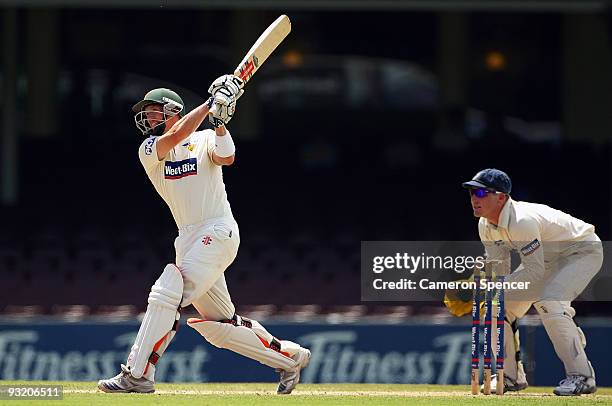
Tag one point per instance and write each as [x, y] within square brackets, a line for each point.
[459, 301]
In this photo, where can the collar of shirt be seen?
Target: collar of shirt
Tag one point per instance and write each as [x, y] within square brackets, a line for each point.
[504, 216]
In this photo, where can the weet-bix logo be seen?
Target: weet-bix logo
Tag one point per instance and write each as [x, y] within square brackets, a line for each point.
[180, 169]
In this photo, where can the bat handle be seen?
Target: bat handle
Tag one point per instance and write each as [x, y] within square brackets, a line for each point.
[213, 109]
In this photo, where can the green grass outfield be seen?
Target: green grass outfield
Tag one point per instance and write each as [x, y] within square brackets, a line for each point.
[85, 393]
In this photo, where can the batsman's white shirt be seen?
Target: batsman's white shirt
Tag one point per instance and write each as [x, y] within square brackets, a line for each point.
[187, 179]
[192, 186]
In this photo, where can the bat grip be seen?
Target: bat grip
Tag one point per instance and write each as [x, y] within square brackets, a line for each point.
[213, 109]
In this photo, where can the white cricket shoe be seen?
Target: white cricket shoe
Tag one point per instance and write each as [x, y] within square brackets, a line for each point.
[290, 378]
[510, 385]
[124, 382]
[575, 385]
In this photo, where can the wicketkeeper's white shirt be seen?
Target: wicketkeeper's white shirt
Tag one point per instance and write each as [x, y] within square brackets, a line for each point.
[538, 232]
[187, 179]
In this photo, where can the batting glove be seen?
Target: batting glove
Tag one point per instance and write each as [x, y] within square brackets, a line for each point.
[220, 112]
[228, 85]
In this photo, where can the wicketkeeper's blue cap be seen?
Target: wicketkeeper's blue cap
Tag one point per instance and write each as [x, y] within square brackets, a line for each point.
[490, 179]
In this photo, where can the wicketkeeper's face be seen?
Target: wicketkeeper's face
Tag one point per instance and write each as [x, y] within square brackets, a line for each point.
[485, 202]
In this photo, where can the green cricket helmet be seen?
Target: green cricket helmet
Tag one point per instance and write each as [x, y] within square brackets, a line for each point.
[171, 103]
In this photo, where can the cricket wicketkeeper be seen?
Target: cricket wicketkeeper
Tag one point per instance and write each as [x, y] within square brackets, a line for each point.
[559, 253]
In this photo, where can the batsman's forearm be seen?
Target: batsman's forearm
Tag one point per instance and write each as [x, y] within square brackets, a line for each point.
[188, 124]
[181, 130]
[220, 131]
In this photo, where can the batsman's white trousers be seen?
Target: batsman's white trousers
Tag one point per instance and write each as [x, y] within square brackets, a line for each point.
[203, 253]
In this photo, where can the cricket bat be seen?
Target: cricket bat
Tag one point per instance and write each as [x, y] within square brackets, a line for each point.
[262, 49]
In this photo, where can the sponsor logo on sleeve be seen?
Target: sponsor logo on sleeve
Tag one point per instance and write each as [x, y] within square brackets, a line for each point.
[148, 148]
[531, 247]
[181, 169]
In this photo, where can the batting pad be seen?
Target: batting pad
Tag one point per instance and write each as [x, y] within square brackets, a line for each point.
[156, 329]
[289, 348]
[242, 340]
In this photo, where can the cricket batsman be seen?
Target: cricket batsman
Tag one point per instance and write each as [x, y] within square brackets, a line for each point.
[184, 166]
[559, 254]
